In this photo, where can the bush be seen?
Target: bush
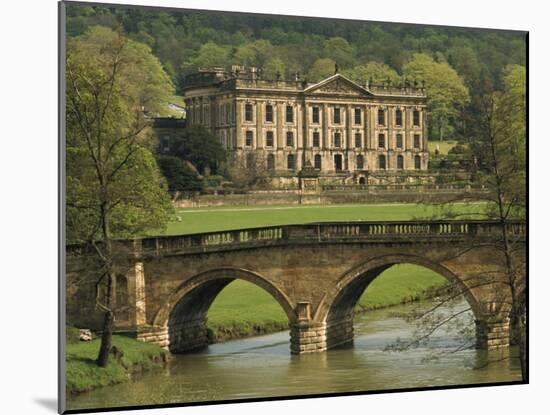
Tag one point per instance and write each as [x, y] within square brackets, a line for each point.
[179, 175]
[213, 181]
[458, 149]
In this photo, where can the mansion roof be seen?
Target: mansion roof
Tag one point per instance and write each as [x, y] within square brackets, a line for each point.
[238, 80]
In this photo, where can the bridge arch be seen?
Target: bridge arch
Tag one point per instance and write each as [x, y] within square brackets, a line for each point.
[184, 312]
[336, 308]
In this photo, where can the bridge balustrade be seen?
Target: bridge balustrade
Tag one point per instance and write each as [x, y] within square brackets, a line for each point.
[319, 232]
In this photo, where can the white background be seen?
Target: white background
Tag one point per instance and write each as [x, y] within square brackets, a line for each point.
[28, 195]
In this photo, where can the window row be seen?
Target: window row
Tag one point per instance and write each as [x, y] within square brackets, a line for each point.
[399, 141]
[383, 162]
[337, 140]
[249, 113]
[269, 139]
[336, 115]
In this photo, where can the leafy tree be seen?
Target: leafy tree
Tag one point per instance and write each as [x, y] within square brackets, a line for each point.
[248, 170]
[274, 67]
[256, 53]
[322, 68]
[114, 188]
[376, 72]
[200, 147]
[339, 50]
[178, 173]
[209, 55]
[446, 91]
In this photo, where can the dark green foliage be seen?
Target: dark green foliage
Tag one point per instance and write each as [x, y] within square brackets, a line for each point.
[200, 147]
[458, 149]
[179, 175]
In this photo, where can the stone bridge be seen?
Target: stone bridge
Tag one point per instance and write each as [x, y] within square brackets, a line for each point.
[316, 272]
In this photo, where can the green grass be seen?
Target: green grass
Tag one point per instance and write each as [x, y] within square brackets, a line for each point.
[243, 309]
[210, 219]
[444, 146]
[83, 374]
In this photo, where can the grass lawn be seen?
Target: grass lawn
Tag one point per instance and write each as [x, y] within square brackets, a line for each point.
[83, 374]
[210, 219]
[243, 309]
[444, 146]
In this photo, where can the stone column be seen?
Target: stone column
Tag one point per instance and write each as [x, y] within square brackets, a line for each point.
[324, 121]
[238, 124]
[280, 141]
[256, 143]
[366, 124]
[136, 295]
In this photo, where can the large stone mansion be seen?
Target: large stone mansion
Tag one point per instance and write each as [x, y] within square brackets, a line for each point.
[338, 126]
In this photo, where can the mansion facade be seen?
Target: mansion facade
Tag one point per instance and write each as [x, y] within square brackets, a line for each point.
[337, 126]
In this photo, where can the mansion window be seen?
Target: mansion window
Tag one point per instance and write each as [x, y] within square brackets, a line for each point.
[315, 115]
[417, 141]
[290, 139]
[317, 161]
[416, 118]
[400, 162]
[358, 140]
[357, 116]
[316, 139]
[399, 141]
[381, 117]
[248, 140]
[337, 116]
[417, 162]
[248, 112]
[289, 114]
[269, 139]
[382, 162]
[381, 141]
[337, 140]
[360, 162]
[270, 162]
[290, 162]
[399, 118]
[269, 113]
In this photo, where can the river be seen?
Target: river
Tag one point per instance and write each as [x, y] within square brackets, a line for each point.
[263, 367]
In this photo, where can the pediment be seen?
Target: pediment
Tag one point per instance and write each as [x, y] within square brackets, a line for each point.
[337, 84]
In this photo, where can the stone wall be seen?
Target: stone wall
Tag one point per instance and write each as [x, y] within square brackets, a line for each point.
[295, 197]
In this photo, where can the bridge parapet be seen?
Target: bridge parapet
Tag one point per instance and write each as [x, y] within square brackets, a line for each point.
[322, 232]
[326, 232]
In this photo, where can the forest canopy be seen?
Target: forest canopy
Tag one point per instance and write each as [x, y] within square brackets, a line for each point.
[186, 40]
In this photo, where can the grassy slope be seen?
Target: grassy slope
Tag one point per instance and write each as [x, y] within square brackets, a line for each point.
[444, 146]
[83, 374]
[227, 218]
[244, 309]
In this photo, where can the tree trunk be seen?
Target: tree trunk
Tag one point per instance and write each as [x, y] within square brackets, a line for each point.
[106, 337]
[108, 322]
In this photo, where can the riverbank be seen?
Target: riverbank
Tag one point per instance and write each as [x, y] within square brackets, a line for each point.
[243, 309]
[84, 375]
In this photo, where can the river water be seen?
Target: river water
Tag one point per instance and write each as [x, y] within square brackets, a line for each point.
[263, 367]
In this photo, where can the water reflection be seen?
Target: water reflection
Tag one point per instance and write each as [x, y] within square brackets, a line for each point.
[263, 366]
